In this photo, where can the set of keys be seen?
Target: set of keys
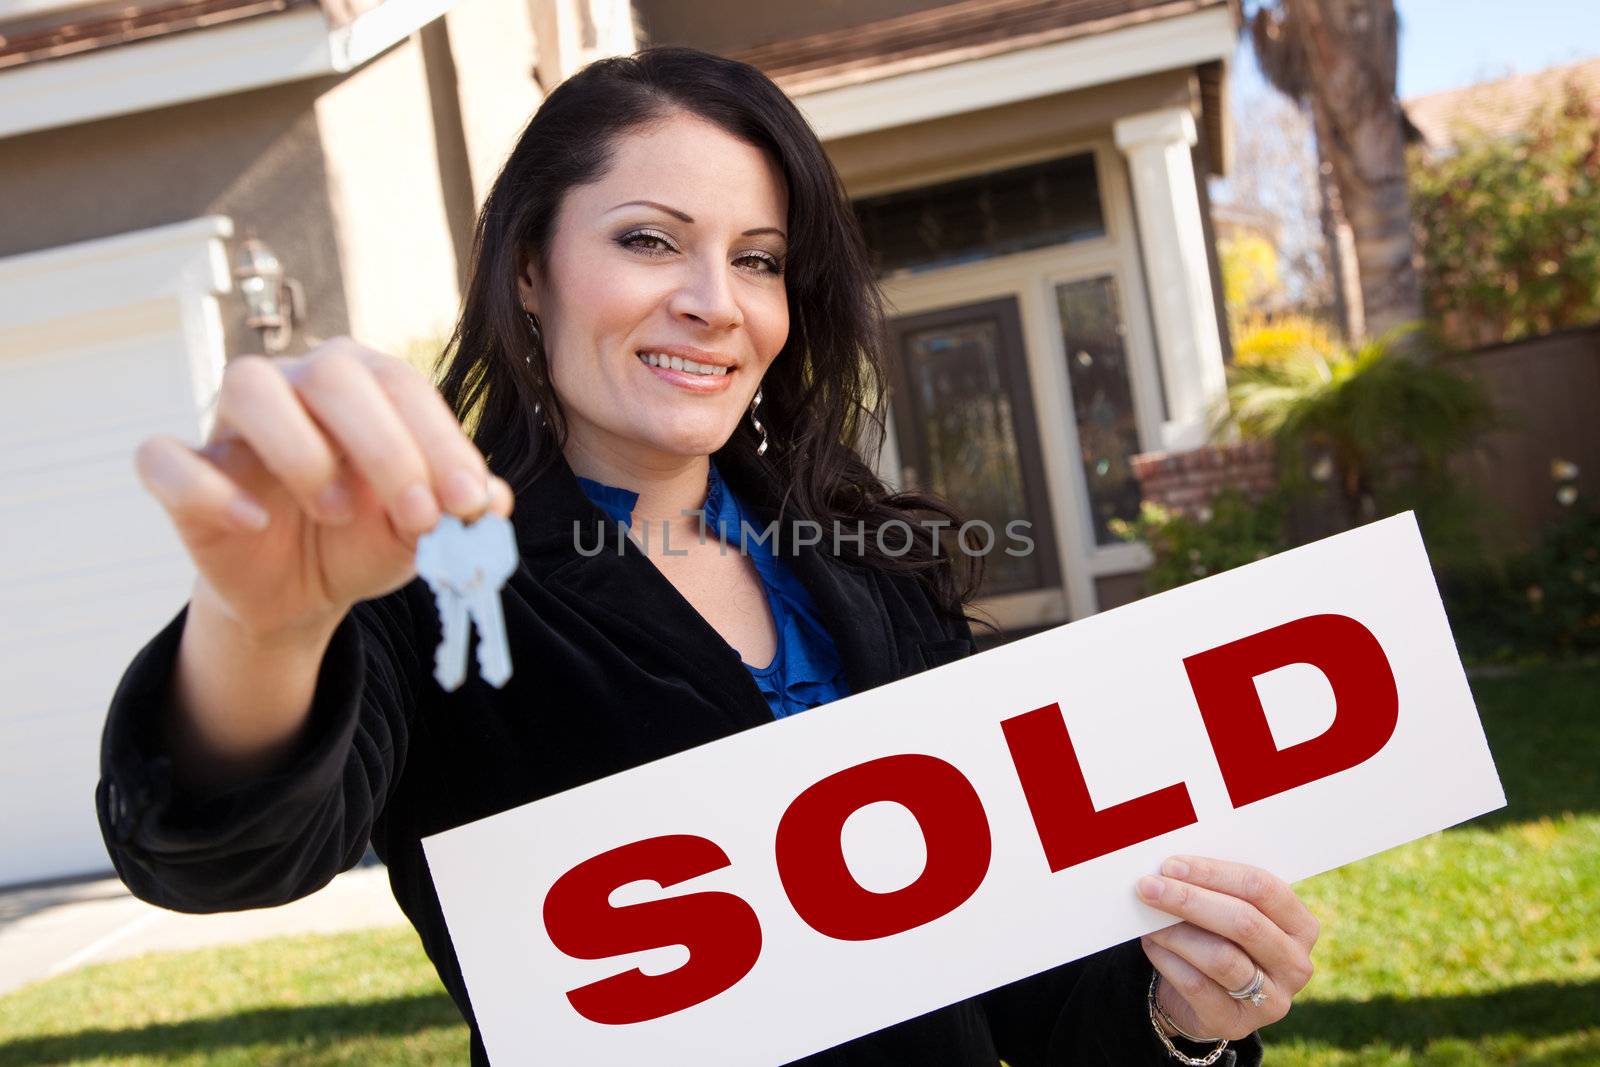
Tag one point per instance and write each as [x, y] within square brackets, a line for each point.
[466, 567]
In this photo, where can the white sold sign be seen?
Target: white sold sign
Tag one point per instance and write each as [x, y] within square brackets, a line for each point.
[911, 846]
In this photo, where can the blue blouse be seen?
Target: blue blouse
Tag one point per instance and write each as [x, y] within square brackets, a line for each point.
[806, 670]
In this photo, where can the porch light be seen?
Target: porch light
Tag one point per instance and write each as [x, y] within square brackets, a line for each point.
[273, 303]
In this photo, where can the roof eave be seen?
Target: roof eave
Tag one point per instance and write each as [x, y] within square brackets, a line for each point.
[1205, 35]
[178, 68]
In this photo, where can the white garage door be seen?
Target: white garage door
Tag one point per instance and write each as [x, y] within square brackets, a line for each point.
[101, 344]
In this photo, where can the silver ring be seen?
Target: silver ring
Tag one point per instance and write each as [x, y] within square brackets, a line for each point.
[1252, 990]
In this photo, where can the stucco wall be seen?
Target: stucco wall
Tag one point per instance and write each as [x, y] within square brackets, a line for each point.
[255, 157]
[388, 209]
[342, 177]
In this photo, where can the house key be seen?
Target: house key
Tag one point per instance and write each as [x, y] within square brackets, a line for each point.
[466, 566]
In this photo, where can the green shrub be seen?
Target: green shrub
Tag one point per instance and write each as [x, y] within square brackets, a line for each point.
[1360, 434]
[1558, 583]
[1510, 227]
[1378, 425]
[1383, 417]
[1232, 532]
[1541, 605]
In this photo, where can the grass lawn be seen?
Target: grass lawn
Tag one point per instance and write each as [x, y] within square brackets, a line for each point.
[1479, 945]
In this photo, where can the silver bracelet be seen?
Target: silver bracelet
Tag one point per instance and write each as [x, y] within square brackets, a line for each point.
[1154, 1007]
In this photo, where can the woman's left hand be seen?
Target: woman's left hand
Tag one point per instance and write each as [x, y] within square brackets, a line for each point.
[1235, 918]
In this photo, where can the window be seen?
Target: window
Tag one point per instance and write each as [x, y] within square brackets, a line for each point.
[1050, 203]
[1102, 400]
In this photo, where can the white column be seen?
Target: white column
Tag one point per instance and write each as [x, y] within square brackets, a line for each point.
[1172, 239]
[490, 43]
[574, 33]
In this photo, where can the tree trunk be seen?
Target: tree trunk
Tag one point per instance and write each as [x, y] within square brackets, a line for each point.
[1351, 52]
[1343, 270]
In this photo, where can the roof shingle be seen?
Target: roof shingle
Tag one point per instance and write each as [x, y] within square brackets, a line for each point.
[1497, 108]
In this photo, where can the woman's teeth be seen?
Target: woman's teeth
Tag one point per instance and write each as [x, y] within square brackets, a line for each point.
[656, 359]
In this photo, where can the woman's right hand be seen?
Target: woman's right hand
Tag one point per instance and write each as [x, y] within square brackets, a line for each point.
[292, 439]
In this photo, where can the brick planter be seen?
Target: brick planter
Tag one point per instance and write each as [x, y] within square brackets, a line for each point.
[1186, 482]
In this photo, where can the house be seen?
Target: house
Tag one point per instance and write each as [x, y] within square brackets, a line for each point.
[1502, 107]
[1030, 176]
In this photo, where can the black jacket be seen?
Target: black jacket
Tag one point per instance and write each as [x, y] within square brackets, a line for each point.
[604, 680]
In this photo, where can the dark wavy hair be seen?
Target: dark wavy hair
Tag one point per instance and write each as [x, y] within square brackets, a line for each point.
[823, 393]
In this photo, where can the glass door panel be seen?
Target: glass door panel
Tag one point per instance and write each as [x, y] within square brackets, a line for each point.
[1094, 340]
[964, 423]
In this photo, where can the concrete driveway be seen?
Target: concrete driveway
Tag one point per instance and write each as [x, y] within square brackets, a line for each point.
[48, 930]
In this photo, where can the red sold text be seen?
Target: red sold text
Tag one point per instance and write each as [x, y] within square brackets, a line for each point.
[723, 934]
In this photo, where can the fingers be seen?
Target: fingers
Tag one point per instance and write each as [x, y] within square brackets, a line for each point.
[258, 404]
[1220, 960]
[339, 390]
[193, 491]
[1270, 894]
[345, 403]
[501, 499]
[345, 428]
[1239, 921]
[457, 467]
[1211, 1012]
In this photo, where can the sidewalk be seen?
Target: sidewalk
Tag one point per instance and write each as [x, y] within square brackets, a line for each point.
[51, 929]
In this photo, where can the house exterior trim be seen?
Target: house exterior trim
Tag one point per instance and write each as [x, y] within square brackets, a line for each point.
[1158, 146]
[1185, 41]
[164, 262]
[198, 64]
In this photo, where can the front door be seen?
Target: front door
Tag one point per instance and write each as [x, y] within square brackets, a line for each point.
[1023, 376]
[965, 429]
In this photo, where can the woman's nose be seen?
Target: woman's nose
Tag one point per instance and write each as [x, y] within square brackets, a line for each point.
[706, 295]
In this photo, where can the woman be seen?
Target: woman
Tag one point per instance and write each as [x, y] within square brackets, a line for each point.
[658, 209]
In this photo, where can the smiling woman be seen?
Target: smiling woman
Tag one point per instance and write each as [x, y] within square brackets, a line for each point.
[661, 316]
[675, 205]
[670, 316]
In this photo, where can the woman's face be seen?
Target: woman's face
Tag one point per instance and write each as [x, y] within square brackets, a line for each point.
[675, 254]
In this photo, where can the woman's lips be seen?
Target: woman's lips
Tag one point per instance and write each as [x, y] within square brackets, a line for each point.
[688, 380]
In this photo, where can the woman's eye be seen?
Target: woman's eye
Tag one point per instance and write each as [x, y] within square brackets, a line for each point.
[645, 241]
[762, 261]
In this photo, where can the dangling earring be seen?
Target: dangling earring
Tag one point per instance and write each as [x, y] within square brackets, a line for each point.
[538, 340]
[533, 326]
[762, 430]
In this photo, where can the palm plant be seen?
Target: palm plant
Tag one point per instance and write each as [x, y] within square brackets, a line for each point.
[1380, 426]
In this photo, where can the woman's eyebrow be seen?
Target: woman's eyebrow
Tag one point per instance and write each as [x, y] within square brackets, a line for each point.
[683, 217]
